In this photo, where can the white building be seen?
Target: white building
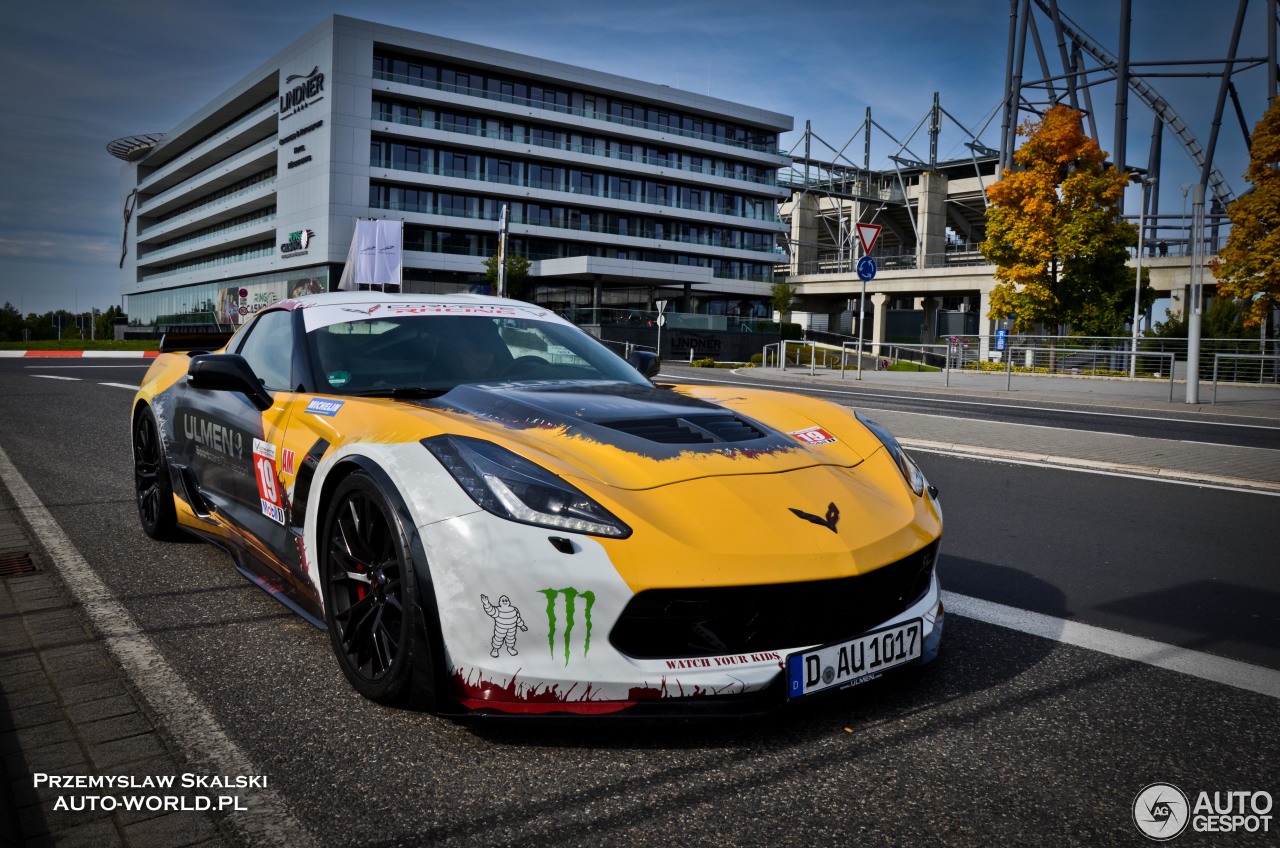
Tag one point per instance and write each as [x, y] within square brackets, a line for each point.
[620, 192]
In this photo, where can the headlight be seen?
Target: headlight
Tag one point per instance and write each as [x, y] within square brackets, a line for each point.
[510, 486]
[911, 471]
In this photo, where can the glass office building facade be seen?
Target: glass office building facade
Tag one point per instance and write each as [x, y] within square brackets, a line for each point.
[619, 191]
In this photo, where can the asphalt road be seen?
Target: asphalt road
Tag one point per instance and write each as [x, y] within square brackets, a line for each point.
[1008, 738]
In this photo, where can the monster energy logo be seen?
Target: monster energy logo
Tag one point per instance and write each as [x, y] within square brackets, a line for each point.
[570, 608]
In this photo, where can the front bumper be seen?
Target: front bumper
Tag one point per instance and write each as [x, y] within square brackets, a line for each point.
[702, 687]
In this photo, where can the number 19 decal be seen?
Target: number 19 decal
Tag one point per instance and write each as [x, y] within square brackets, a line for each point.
[264, 468]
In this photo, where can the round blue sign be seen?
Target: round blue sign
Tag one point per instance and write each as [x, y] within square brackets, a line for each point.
[866, 269]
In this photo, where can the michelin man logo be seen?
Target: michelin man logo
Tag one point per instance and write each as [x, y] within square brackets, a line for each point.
[506, 619]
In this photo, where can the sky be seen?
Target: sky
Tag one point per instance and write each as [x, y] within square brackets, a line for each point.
[76, 74]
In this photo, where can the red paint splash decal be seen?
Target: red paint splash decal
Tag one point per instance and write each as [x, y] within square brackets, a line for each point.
[514, 696]
[474, 692]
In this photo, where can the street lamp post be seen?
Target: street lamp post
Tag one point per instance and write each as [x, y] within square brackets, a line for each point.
[1137, 283]
[1185, 188]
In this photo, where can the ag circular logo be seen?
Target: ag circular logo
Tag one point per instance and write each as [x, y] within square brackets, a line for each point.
[1161, 811]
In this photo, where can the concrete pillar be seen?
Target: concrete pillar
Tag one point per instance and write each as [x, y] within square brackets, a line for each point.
[597, 296]
[931, 306]
[931, 218]
[804, 234]
[878, 325]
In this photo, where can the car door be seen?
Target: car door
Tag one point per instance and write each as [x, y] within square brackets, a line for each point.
[232, 448]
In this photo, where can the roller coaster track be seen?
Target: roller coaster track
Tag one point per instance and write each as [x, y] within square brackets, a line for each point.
[1155, 102]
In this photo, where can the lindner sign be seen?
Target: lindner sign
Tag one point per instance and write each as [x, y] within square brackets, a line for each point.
[301, 92]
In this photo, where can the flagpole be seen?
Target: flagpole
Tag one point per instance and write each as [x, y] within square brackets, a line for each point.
[502, 249]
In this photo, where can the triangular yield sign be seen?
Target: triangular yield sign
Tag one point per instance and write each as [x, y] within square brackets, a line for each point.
[867, 234]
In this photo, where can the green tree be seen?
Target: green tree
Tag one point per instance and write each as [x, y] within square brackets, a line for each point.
[106, 322]
[10, 323]
[1248, 266]
[782, 296]
[1055, 235]
[70, 325]
[1223, 318]
[43, 326]
[517, 273]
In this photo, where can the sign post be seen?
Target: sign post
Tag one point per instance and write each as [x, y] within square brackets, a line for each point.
[662, 319]
[867, 234]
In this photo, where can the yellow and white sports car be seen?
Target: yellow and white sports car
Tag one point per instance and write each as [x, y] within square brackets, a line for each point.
[493, 513]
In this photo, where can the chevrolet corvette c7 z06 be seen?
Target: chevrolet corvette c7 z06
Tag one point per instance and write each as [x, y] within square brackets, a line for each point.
[493, 513]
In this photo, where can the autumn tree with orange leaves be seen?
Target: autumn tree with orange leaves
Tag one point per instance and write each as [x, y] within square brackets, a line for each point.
[1055, 234]
[1248, 266]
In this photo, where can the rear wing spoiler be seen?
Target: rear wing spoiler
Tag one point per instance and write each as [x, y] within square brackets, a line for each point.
[193, 342]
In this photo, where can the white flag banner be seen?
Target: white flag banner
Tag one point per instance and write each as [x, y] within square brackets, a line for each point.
[376, 257]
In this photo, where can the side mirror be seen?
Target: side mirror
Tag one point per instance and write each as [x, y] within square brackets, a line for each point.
[227, 372]
[646, 362]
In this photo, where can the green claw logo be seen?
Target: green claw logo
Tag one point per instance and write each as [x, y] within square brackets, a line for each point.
[570, 608]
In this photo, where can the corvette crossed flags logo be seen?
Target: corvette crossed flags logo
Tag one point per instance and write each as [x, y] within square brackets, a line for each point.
[829, 522]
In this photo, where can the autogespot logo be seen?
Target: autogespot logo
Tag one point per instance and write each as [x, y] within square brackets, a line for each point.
[1160, 811]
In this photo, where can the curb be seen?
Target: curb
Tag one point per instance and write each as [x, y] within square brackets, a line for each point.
[87, 354]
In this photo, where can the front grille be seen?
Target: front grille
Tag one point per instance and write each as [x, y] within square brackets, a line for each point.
[690, 430]
[705, 622]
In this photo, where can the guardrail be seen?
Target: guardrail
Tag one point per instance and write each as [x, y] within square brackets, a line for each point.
[1246, 356]
[1122, 353]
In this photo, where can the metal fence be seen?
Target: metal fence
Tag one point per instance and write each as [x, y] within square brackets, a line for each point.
[1245, 364]
[1110, 356]
[1221, 360]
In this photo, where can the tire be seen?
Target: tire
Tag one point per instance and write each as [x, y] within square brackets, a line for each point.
[152, 484]
[375, 623]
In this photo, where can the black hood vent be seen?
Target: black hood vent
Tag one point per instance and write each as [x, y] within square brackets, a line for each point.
[700, 430]
[644, 420]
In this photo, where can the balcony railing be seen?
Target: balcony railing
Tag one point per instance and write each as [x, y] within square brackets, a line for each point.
[634, 197]
[590, 150]
[571, 110]
[221, 232]
[559, 222]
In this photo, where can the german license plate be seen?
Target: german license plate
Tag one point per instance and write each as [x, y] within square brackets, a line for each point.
[859, 660]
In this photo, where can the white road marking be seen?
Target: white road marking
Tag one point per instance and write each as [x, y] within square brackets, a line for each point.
[1097, 466]
[268, 820]
[120, 386]
[54, 377]
[1241, 675]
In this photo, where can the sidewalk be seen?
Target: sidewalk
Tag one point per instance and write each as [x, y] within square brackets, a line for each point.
[65, 710]
[1232, 399]
[1249, 467]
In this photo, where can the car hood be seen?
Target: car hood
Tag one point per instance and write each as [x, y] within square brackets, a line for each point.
[639, 437]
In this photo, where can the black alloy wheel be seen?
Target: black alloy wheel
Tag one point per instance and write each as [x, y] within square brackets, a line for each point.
[368, 581]
[151, 481]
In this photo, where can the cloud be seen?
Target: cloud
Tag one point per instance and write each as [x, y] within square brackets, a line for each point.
[75, 74]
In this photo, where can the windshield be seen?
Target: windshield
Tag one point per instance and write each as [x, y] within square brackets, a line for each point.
[433, 353]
